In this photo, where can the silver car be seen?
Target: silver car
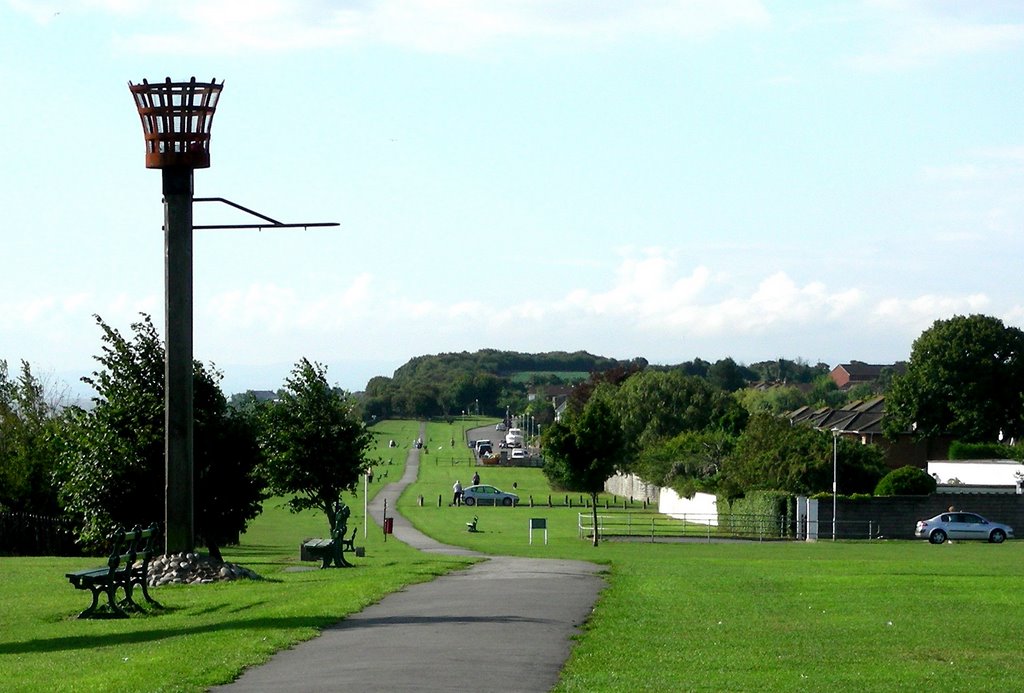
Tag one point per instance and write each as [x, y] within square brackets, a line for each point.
[482, 494]
[961, 525]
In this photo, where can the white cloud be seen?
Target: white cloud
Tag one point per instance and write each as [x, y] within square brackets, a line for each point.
[914, 33]
[652, 306]
[921, 311]
[232, 26]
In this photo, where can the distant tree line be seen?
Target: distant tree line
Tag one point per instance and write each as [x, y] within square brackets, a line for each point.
[491, 382]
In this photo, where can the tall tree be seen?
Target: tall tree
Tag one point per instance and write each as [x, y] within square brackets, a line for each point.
[112, 469]
[586, 447]
[29, 422]
[315, 442]
[965, 378]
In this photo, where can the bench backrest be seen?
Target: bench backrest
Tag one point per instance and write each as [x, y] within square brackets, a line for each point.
[129, 546]
[143, 544]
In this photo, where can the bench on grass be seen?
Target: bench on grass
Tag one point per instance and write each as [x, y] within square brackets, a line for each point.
[127, 567]
[332, 550]
[329, 550]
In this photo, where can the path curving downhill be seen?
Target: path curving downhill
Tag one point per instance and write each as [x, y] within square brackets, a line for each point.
[505, 623]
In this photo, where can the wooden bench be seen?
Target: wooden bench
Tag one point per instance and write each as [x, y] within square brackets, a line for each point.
[127, 567]
[328, 550]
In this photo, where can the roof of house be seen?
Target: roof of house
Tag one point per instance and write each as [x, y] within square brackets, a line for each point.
[862, 416]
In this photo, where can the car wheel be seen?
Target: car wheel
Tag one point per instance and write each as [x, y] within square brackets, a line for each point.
[937, 537]
[469, 501]
[508, 501]
[998, 536]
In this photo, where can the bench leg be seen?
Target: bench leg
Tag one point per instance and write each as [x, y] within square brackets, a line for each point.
[145, 593]
[115, 610]
[128, 604]
[88, 613]
[94, 612]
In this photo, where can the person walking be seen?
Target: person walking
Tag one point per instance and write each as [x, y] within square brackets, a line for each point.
[476, 478]
[457, 490]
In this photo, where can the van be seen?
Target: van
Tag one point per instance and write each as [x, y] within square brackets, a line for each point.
[514, 438]
[484, 447]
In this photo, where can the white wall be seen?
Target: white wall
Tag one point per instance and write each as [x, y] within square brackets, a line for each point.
[975, 472]
[702, 508]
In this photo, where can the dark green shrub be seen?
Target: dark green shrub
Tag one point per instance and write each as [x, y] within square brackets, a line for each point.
[959, 450]
[906, 481]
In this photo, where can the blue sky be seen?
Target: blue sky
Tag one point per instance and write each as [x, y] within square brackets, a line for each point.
[672, 180]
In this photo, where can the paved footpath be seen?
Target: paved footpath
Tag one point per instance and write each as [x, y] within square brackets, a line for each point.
[502, 624]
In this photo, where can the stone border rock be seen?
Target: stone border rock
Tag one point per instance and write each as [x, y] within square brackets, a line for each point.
[194, 569]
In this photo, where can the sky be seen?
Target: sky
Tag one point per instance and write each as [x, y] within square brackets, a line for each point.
[669, 180]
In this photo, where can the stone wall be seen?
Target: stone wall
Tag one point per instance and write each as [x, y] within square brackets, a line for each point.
[895, 517]
[632, 486]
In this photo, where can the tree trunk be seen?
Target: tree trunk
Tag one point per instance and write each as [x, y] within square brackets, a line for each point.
[214, 550]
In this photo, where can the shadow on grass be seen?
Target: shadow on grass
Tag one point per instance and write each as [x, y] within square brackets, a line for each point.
[92, 641]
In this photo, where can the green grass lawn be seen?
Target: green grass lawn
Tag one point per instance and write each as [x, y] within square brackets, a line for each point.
[694, 616]
[742, 616]
[208, 633]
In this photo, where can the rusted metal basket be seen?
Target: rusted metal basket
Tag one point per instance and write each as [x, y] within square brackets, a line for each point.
[176, 120]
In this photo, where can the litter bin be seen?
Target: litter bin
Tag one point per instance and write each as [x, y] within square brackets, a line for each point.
[389, 525]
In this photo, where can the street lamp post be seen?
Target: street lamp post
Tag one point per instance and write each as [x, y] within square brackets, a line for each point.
[835, 477]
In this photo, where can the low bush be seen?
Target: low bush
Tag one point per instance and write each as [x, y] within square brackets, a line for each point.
[906, 481]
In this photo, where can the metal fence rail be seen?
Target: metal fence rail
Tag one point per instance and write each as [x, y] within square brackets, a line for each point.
[25, 534]
[707, 526]
[711, 526]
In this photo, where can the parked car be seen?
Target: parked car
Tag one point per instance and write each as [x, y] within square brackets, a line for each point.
[518, 454]
[500, 426]
[483, 447]
[483, 494]
[961, 525]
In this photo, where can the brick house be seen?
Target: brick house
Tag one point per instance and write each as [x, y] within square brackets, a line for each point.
[846, 375]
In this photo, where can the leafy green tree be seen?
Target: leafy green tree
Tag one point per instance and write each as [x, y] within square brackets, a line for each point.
[906, 481]
[965, 378]
[29, 424]
[773, 454]
[687, 463]
[228, 489]
[774, 400]
[314, 440]
[656, 405]
[726, 374]
[112, 469]
[586, 447]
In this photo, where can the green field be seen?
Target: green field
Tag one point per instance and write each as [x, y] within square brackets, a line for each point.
[567, 376]
[775, 616]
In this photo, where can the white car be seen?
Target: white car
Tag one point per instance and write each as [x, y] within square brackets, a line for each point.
[518, 454]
